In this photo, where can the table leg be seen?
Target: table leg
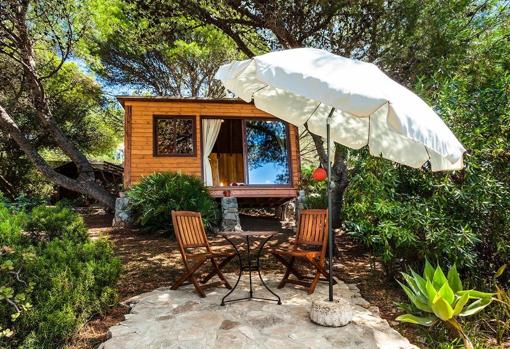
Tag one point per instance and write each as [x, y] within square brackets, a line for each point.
[249, 264]
[279, 301]
[240, 271]
[242, 268]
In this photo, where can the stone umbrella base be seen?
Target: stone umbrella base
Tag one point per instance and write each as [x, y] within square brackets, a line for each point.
[331, 314]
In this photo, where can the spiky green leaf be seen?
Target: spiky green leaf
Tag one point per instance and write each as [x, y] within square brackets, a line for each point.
[500, 271]
[419, 320]
[447, 293]
[420, 303]
[474, 294]
[428, 272]
[411, 282]
[459, 305]
[454, 279]
[476, 306]
[420, 282]
[431, 292]
[441, 308]
[439, 278]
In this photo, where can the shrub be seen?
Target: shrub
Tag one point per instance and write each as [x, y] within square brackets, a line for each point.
[50, 222]
[406, 215]
[22, 203]
[157, 195]
[51, 285]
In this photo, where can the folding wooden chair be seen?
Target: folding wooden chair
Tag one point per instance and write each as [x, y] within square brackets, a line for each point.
[309, 246]
[190, 234]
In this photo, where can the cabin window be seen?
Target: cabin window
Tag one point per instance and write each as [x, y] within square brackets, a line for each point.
[174, 136]
[250, 152]
[266, 152]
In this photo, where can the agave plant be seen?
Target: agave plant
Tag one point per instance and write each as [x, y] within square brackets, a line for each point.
[436, 297]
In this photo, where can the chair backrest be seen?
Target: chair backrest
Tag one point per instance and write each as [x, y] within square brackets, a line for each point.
[189, 229]
[312, 227]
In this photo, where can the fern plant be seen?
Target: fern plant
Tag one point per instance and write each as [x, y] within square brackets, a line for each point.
[436, 297]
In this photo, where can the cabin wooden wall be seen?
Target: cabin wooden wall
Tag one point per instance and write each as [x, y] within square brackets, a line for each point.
[138, 140]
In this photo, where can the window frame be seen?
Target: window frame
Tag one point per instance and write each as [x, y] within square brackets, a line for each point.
[245, 161]
[156, 118]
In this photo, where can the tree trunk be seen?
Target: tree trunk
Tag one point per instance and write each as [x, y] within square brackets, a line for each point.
[338, 176]
[22, 52]
[83, 186]
[40, 101]
[7, 187]
[340, 180]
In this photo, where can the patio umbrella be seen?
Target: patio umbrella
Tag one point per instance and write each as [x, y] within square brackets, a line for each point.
[349, 102]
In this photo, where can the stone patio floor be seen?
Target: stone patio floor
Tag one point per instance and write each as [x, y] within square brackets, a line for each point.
[180, 319]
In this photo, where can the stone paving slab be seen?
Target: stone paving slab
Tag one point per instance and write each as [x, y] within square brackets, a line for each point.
[180, 319]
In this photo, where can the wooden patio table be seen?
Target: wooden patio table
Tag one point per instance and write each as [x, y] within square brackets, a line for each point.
[247, 235]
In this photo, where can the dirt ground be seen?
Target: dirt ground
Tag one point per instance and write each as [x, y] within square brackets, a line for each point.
[152, 261]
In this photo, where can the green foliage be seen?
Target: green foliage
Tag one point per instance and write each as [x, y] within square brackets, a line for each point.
[184, 51]
[21, 203]
[50, 286]
[500, 315]
[435, 296]
[50, 222]
[461, 217]
[80, 109]
[77, 281]
[155, 196]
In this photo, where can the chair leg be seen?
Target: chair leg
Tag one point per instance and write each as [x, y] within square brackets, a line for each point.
[286, 263]
[315, 281]
[324, 272]
[220, 266]
[182, 278]
[287, 272]
[199, 289]
[320, 269]
[220, 274]
[188, 274]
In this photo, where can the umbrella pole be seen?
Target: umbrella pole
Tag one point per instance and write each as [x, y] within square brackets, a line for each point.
[330, 209]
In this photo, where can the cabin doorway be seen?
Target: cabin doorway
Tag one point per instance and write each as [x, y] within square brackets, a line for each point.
[226, 158]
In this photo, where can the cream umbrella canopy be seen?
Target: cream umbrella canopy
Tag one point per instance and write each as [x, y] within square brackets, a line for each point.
[347, 101]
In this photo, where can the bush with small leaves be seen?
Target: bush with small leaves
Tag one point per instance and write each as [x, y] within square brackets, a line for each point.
[52, 277]
[51, 222]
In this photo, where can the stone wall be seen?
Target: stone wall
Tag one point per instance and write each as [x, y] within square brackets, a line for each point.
[122, 218]
[230, 214]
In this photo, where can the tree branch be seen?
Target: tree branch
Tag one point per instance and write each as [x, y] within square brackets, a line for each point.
[9, 125]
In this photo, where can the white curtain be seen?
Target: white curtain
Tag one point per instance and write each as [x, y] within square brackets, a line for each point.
[210, 131]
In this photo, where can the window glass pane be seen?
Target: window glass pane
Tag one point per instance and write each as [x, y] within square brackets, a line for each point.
[267, 152]
[174, 136]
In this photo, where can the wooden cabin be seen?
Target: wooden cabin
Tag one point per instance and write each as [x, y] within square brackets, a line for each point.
[235, 148]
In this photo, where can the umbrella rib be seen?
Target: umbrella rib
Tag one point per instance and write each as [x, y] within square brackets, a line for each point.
[428, 154]
[368, 135]
[317, 107]
[253, 94]
[429, 160]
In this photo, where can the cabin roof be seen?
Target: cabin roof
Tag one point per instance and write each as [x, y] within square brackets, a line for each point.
[123, 99]
[69, 167]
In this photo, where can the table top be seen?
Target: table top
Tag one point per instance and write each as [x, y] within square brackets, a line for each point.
[248, 233]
